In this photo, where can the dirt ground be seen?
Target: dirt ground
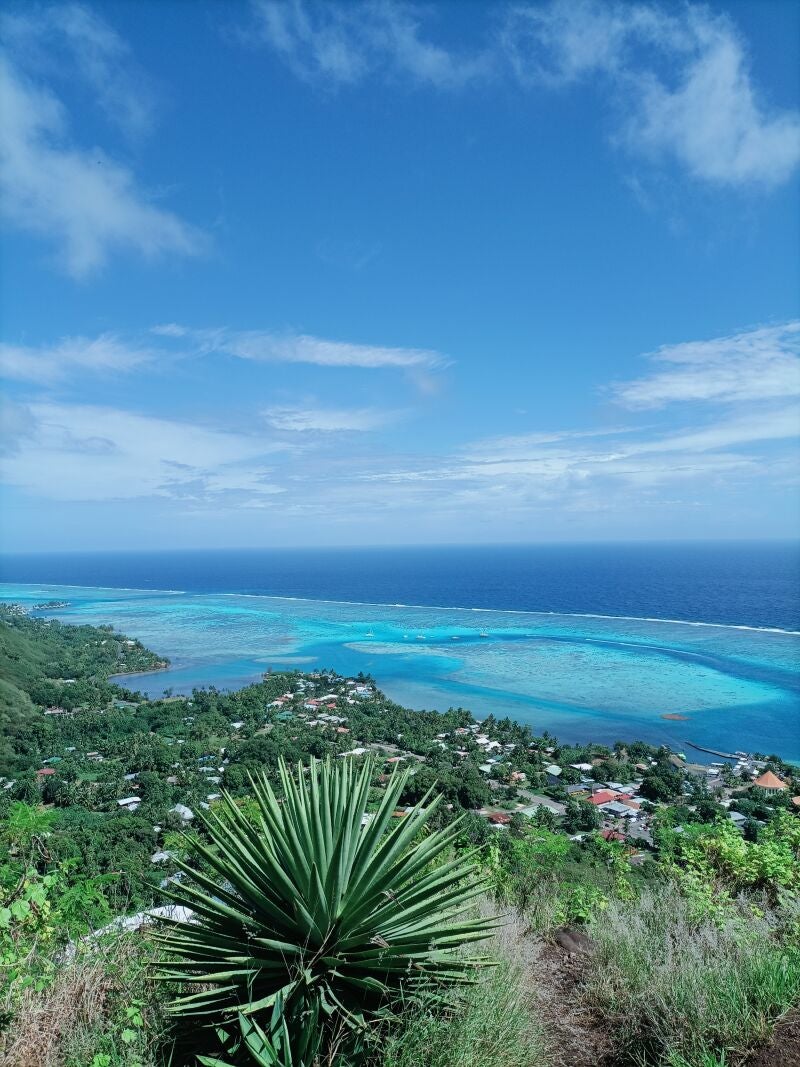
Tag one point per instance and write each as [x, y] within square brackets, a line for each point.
[576, 1036]
[784, 1048]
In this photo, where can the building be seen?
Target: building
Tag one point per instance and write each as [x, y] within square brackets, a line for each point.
[553, 773]
[603, 796]
[770, 783]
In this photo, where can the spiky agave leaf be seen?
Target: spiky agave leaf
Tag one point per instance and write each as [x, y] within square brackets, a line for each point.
[308, 906]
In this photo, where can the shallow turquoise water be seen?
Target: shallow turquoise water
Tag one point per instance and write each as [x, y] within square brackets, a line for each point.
[580, 677]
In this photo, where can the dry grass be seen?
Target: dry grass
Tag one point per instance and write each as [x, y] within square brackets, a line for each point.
[63, 1023]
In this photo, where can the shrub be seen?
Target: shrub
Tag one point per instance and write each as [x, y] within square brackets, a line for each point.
[678, 987]
[336, 912]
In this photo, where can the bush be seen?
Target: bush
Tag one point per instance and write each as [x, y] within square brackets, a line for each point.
[99, 1010]
[674, 987]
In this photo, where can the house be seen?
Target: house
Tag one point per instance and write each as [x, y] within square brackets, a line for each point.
[185, 813]
[616, 809]
[45, 770]
[612, 835]
[770, 783]
[737, 818]
[499, 818]
[603, 796]
[130, 803]
[553, 773]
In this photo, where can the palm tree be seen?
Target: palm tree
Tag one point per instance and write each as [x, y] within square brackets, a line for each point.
[317, 906]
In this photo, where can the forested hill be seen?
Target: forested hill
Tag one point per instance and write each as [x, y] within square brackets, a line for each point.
[48, 665]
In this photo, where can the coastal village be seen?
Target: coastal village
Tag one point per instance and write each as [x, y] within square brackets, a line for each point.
[520, 778]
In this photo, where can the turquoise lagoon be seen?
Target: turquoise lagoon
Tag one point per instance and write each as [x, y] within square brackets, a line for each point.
[580, 677]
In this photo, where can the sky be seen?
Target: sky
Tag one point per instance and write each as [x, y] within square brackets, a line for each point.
[293, 273]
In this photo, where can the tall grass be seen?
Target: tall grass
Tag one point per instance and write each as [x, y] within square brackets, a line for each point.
[490, 1025]
[682, 992]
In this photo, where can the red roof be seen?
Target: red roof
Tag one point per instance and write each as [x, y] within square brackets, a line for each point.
[768, 780]
[500, 818]
[46, 770]
[612, 835]
[603, 797]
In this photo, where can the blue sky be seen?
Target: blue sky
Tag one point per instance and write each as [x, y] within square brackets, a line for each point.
[287, 273]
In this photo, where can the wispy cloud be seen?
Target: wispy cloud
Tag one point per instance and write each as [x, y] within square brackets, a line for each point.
[56, 41]
[678, 76]
[48, 364]
[705, 112]
[747, 428]
[713, 438]
[76, 197]
[328, 420]
[342, 44]
[758, 364]
[84, 452]
[268, 347]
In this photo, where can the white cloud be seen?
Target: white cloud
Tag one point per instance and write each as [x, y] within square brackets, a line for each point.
[680, 74]
[66, 39]
[267, 347]
[557, 465]
[328, 420]
[342, 44]
[82, 452]
[758, 364]
[77, 197]
[47, 364]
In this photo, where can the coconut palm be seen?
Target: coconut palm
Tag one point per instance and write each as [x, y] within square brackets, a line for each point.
[322, 907]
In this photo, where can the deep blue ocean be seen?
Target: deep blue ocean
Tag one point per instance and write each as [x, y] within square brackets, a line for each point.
[736, 583]
[589, 641]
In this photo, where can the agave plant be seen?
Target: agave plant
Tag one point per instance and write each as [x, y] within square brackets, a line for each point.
[317, 905]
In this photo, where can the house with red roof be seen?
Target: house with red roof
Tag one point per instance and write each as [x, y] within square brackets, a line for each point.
[770, 783]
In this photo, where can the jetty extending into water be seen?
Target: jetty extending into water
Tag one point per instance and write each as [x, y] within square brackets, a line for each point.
[715, 752]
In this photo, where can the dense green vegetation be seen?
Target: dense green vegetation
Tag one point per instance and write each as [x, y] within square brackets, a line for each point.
[688, 929]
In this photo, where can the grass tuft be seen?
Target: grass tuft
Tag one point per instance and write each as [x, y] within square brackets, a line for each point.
[689, 994]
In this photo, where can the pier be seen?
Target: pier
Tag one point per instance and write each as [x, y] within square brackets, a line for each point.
[714, 752]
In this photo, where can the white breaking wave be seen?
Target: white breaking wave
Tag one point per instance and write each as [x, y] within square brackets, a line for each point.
[421, 607]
